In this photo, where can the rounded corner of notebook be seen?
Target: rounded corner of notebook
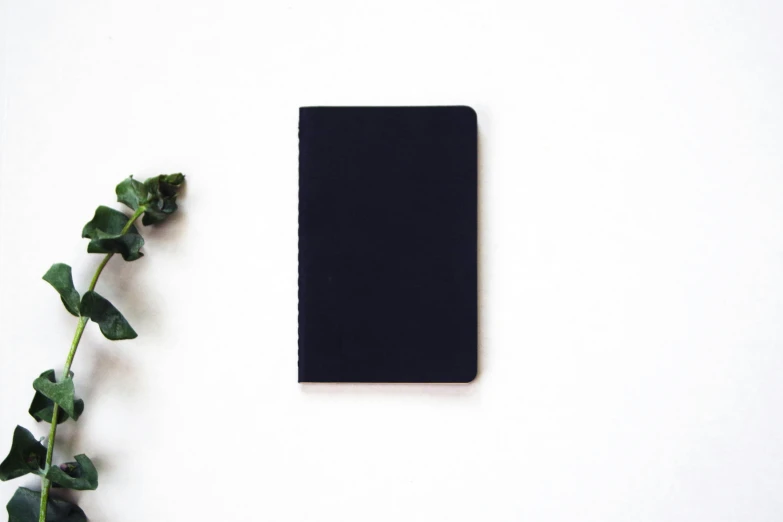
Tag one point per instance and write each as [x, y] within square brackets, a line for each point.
[469, 110]
[471, 377]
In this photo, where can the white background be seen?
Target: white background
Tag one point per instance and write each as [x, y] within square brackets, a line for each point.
[631, 258]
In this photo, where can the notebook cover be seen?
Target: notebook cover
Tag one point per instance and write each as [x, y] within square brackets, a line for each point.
[387, 244]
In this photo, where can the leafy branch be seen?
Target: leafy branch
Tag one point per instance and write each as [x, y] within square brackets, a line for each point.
[110, 232]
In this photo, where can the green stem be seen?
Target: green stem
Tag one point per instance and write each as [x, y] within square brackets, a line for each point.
[46, 484]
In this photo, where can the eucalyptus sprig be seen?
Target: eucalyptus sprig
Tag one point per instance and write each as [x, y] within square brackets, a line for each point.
[110, 232]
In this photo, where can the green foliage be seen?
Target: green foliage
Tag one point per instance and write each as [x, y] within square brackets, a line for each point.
[132, 193]
[27, 455]
[24, 506]
[157, 195]
[80, 475]
[59, 276]
[113, 325]
[127, 245]
[60, 393]
[108, 221]
[162, 200]
[110, 232]
[107, 235]
[42, 406]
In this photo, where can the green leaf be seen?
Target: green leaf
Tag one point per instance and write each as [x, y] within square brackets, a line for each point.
[59, 276]
[27, 455]
[80, 475]
[164, 185]
[127, 245]
[105, 232]
[25, 506]
[162, 200]
[108, 221]
[61, 393]
[153, 217]
[132, 193]
[42, 406]
[113, 325]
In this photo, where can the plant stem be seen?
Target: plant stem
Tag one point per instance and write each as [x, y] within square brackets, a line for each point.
[46, 484]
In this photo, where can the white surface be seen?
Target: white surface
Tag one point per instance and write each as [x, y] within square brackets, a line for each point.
[631, 260]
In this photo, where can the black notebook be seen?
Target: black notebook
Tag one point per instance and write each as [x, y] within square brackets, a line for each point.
[387, 244]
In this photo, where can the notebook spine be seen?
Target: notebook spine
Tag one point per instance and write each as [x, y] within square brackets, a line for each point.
[301, 246]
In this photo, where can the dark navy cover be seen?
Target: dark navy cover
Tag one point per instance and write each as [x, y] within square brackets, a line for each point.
[387, 244]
